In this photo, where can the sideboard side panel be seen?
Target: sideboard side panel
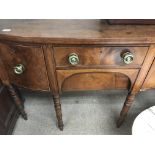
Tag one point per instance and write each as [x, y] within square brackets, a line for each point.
[144, 70]
[149, 82]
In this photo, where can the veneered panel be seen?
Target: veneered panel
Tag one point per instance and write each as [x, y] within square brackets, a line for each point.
[35, 75]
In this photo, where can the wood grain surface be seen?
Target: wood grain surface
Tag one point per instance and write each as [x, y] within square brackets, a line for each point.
[43, 47]
[75, 32]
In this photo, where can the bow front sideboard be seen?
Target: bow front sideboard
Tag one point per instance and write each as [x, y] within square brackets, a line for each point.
[76, 55]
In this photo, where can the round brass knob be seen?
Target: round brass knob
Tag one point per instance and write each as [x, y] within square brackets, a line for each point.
[73, 59]
[127, 57]
[19, 69]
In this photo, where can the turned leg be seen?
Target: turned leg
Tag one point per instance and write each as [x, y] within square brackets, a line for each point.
[128, 102]
[17, 101]
[19, 95]
[57, 105]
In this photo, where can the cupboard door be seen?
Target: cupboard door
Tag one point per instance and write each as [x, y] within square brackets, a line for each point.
[34, 74]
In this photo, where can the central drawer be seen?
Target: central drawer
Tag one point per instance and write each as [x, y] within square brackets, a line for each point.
[99, 56]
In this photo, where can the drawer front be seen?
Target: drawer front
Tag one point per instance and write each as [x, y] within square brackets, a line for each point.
[99, 56]
[34, 75]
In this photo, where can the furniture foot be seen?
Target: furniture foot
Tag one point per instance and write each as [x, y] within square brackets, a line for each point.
[57, 105]
[127, 104]
[60, 125]
[17, 101]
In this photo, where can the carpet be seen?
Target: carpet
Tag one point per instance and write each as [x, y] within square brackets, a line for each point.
[84, 113]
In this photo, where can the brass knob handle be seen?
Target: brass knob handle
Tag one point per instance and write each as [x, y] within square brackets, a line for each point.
[127, 57]
[19, 69]
[73, 59]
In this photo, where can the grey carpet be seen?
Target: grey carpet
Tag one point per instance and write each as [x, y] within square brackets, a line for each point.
[91, 113]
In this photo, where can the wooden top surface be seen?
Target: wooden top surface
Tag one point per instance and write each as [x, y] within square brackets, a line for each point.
[75, 32]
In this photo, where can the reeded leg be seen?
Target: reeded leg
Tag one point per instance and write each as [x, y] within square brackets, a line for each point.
[128, 102]
[17, 101]
[57, 105]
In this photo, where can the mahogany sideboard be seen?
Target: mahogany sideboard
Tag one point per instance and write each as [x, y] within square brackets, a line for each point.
[76, 55]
